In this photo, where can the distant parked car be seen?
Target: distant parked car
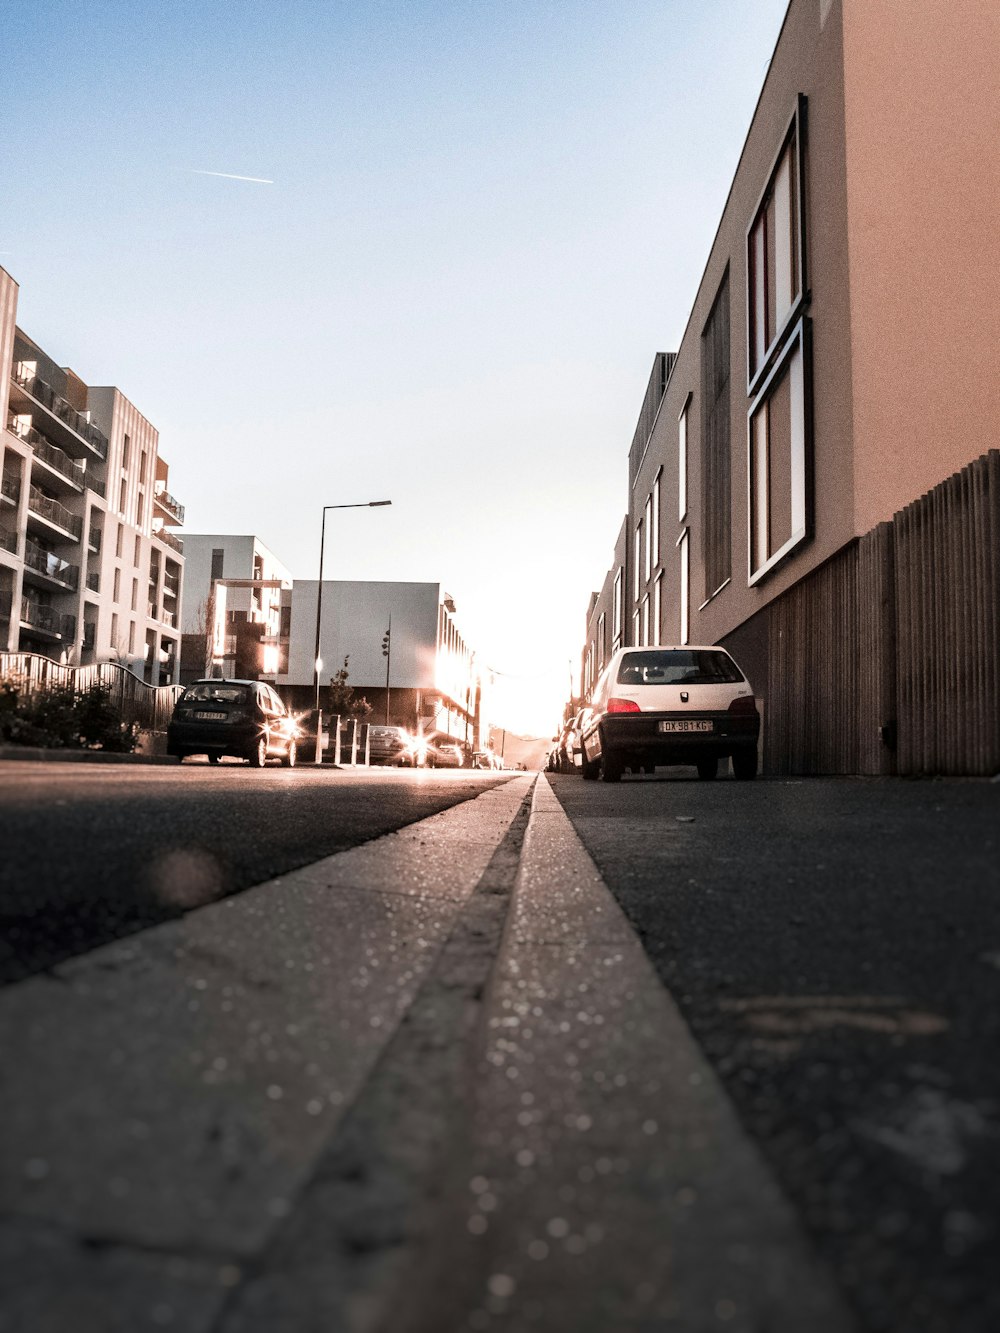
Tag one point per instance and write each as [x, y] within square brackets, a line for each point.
[485, 759]
[670, 705]
[443, 752]
[242, 718]
[387, 745]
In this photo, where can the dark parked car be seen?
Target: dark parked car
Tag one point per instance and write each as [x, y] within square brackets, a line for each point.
[243, 718]
[670, 705]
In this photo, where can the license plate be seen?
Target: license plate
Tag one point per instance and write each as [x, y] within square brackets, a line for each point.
[685, 726]
[211, 717]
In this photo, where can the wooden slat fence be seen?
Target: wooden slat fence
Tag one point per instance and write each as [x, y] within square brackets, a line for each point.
[886, 659]
[148, 705]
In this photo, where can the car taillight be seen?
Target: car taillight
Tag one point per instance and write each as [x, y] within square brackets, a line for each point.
[744, 705]
[623, 706]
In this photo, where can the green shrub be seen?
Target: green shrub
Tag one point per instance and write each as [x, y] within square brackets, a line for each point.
[61, 719]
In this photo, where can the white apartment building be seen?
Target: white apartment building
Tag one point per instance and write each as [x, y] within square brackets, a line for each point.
[90, 568]
[233, 584]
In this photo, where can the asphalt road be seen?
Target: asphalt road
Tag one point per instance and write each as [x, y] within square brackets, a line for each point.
[835, 947]
[92, 852]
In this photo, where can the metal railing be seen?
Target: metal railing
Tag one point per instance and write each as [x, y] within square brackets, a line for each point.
[94, 581]
[94, 540]
[172, 506]
[10, 488]
[169, 539]
[148, 705]
[37, 616]
[44, 562]
[58, 459]
[8, 540]
[6, 603]
[47, 396]
[55, 512]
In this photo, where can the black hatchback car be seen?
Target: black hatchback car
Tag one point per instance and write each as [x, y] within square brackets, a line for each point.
[243, 718]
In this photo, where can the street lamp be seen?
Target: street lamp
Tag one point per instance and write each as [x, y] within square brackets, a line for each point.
[317, 660]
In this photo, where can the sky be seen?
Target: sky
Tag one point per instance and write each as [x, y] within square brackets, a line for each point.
[480, 222]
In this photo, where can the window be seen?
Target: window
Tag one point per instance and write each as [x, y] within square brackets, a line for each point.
[648, 543]
[218, 561]
[682, 462]
[602, 641]
[658, 609]
[135, 594]
[655, 525]
[780, 448]
[126, 451]
[116, 596]
[114, 632]
[119, 538]
[636, 625]
[645, 620]
[775, 254]
[142, 467]
[138, 551]
[131, 636]
[616, 614]
[121, 497]
[715, 444]
[682, 547]
[637, 563]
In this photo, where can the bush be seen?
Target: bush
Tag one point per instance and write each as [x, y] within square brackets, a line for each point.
[61, 719]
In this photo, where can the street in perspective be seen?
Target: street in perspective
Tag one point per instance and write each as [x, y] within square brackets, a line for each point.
[515, 847]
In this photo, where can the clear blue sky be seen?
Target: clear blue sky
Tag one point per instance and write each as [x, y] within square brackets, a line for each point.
[485, 220]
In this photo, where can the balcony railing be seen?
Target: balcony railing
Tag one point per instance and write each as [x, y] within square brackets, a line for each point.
[10, 488]
[168, 618]
[170, 540]
[45, 394]
[172, 506]
[44, 562]
[8, 541]
[50, 453]
[49, 621]
[94, 581]
[94, 540]
[6, 602]
[55, 512]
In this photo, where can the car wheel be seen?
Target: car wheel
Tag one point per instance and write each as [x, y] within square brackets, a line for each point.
[291, 755]
[180, 756]
[708, 769]
[745, 765]
[612, 766]
[258, 755]
[214, 758]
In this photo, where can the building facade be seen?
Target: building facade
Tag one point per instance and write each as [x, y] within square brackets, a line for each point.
[838, 363]
[90, 567]
[234, 587]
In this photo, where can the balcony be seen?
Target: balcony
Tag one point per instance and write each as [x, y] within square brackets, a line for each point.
[51, 567]
[6, 602]
[37, 390]
[168, 504]
[68, 469]
[94, 540]
[45, 621]
[10, 489]
[168, 539]
[55, 513]
[94, 581]
[8, 542]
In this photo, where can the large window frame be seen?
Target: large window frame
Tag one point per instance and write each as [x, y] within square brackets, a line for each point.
[760, 364]
[797, 344]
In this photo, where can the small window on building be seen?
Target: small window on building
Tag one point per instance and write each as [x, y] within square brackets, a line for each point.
[636, 628]
[115, 645]
[116, 595]
[616, 612]
[218, 562]
[126, 451]
[682, 546]
[648, 543]
[645, 621]
[682, 462]
[131, 637]
[655, 523]
[658, 609]
[716, 464]
[142, 467]
[119, 540]
[138, 551]
[121, 497]
[135, 594]
[637, 562]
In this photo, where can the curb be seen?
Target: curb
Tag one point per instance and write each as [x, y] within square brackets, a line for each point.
[37, 754]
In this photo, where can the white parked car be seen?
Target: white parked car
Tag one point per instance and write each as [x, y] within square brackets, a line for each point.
[670, 705]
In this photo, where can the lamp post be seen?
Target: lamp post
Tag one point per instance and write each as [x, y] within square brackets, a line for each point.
[387, 654]
[317, 660]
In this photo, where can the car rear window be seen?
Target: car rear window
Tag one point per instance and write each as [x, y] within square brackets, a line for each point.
[678, 666]
[217, 692]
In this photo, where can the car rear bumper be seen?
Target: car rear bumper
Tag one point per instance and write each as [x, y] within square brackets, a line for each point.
[233, 738]
[639, 734]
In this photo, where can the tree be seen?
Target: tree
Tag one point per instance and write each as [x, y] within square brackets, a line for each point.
[341, 696]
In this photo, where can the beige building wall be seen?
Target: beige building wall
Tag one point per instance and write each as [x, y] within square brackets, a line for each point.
[922, 103]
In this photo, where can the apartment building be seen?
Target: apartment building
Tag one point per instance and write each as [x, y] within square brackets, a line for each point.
[435, 682]
[838, 364]
[233, 588]
[90, 567]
